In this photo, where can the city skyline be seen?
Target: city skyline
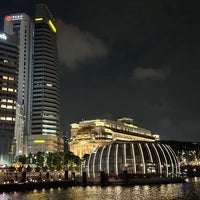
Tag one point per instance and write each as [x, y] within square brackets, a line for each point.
[135, 59]
[37, 87]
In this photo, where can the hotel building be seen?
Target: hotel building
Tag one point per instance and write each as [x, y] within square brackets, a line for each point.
[87, 135]
[9, 54]
[20, 25]
[45, 118]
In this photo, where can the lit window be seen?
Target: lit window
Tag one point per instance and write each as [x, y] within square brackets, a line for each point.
[3, 106]
[10, 89]
[49, 84]
[4, 88]
[5, 61]
[11, 78]
[9, 107]
[3, 100]
[49, 126]
[10, 101]
[5, 77]
[48, 131]
[2, 118]
[8, 118]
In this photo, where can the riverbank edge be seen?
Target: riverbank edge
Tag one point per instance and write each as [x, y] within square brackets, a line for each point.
[12, 187]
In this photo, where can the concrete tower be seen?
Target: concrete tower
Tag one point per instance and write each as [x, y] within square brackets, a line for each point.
[45, 128]
[21, 25]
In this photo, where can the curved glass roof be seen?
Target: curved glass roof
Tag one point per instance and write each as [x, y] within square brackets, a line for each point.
[138, 158]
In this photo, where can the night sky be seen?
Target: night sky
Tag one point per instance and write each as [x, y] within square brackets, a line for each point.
[133, 58]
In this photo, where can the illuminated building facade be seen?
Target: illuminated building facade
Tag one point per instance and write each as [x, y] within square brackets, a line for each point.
[9, 54]
[21, 25]
[88, 135]
[19, 138]
[45, 115]
[137, 157]
[45, 143]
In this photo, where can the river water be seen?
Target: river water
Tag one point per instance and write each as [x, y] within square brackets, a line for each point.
[188, 190]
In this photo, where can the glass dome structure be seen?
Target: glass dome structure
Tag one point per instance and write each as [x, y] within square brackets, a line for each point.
[138, 158]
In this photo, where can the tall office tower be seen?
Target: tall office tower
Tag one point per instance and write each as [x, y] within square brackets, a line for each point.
[9, 53]
[21, 26]
[46, 85]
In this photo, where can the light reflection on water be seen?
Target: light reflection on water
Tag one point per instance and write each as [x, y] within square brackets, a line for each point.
[185, 191]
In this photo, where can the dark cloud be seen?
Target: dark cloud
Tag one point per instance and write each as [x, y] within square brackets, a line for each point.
[186, 130]
[145, 74]
[76, 46]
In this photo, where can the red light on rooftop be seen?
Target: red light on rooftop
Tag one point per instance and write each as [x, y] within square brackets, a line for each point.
[8, 18]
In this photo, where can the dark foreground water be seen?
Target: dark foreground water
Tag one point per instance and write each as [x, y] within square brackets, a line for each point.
[188, 190]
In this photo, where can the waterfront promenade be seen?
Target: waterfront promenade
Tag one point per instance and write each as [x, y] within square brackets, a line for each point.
[16, 177]
[21, 181]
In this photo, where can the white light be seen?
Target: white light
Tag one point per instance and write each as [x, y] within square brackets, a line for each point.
[17, 17]
[3, 36]
[49, 84]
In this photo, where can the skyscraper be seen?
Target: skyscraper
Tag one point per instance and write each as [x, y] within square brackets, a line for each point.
[45, 127]
[21, 25]
[9, 54]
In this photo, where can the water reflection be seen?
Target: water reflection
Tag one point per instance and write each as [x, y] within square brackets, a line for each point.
[190, 190]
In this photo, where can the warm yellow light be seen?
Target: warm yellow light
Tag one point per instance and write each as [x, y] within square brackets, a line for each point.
[17, 164]
[38, 19]
[3, 106]
[52, 26]
[39, 141]
[8, 118]
[5, 77]
[11, 78]
[10, 101]
[4, 88]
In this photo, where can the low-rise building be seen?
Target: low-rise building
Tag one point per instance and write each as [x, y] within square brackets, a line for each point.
[87, 135]
[45, 143]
